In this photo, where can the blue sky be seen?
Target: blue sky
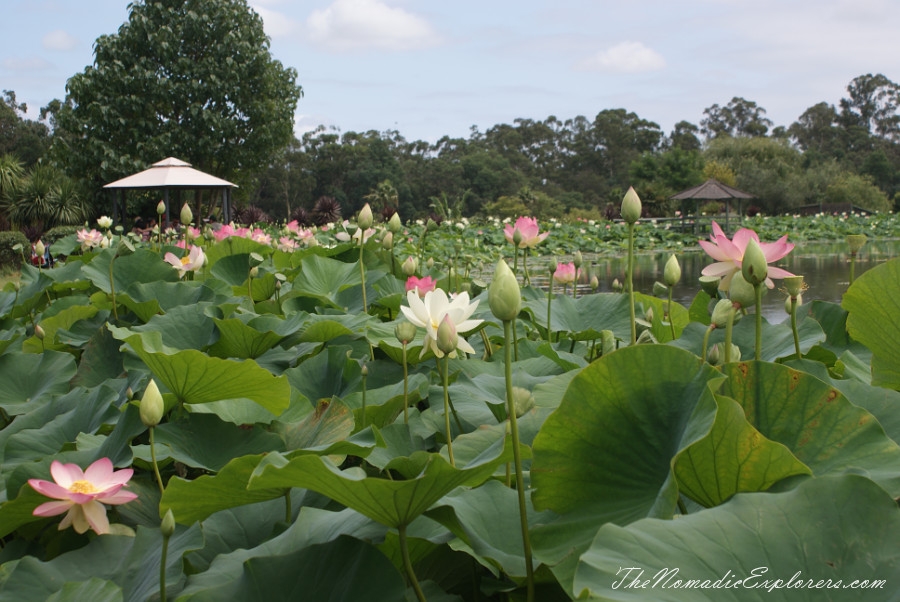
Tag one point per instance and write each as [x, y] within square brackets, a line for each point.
[434, 68]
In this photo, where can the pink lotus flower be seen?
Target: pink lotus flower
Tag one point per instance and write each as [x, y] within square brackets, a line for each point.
[565, 273]
[287, 244]
[420, 285]
[89, 238]
[528, 228]
[729, 254]
[83, 494]
[224, 232]
[189, 263]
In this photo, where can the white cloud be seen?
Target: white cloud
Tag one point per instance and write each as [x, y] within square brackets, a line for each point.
[276, 24]
[366, 24]
[627, 57]
[33, 63]
[59, 40]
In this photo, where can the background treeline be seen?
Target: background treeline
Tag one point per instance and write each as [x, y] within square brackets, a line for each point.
[844, 154]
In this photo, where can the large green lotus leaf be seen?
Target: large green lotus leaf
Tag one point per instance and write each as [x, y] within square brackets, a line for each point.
[236, 245]
[328, 374]
[183, 327]
[699, 311]
[101, 360]
[827, 530]
[777, 339]
[873, 302]
[62, 320]
[384, 404]
[31, 295]
[603, 311]
[487, 519]
[332, 421]
[28, 380]
[232, 269]
[250, 338]
[814, 420]
[261, 289]
[346, 569]
[323, 278]
[391, 503]
[12, 338]
[490, 390]
[141, 266]
[199, 498]
[732, 458]
[148, 299]
[608, 448]
[323, 329]
[197, 378]
[660, 327]
[95, 590]
[132, 563]
[204, 441]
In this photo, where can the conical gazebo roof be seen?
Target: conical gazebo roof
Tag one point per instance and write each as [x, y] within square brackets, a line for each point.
[171, 173]
[711, 190]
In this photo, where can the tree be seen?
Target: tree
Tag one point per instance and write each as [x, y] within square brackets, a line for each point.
[187, 78]
[26, 139]
[684, 136]
[873, 106]
[739, 118]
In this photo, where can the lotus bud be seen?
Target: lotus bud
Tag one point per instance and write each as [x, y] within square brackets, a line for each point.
[152, 406]
[741, 291]
[39, 332]
[105, 222]
[616, 285]
[504, 295]
[410, 265]
[168, 524]
[446, 336]
[856, 242]
[553, 267]
[794, 285]
[523, 400]
[430, 263]
[387, 243]
[39, 248]
[466, 287]
[254, 272]
[365, 219]
[714, 355]
[710, 285]
[631, 207]
[186, 215]
[595, 283]
[607, 342]
[660, 289]
[578, 260]
[364, 371]
[720, 313]
[648, 315]
[787, 303]
[430, 225]
[672, 271]
[405, 332]
[394, 224]
[160, 208]
[104, 243]
[517, 237]
[129, 393]
[753, 266]
[312, 242]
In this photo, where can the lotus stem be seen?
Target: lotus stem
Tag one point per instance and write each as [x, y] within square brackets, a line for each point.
[669, 314]
[365, 373]
[407, 564]
[758, 290]
[526, 279]
[549, 301]
[162, 565]
[487, 345]
[794, 327]
[362, 272]
[517, 460]
[446, 380]
[405, 387]
[112, 287]
[729, 327]
[629, 282]
[155, 464]
[709, 330]
[852, 266]
[287, 506]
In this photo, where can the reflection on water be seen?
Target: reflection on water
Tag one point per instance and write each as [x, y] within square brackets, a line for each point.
[825, 266]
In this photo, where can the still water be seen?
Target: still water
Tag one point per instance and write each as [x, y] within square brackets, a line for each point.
[825, 267]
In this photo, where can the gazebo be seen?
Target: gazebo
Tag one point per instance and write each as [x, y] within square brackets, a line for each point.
[170, 174]
[711, 190]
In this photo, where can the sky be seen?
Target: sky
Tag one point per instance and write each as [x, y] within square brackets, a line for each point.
[429, 69]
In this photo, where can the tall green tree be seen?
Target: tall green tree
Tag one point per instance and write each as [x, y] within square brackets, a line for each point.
[187, 78]
[25, 138]
[740, 117]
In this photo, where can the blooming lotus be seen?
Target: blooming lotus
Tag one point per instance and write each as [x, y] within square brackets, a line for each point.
[420, 285]
[83, 494]
[564, 274]
[729, 254]
[105, 222]
[89, 238]
[287, 244]
[528, 229]
[189, 263]
[428, 313]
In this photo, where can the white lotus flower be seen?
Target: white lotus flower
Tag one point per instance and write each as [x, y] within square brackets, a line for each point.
[189, 263]
[428, 313]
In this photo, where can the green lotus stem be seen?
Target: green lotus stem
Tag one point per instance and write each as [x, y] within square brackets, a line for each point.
[446, 379]
[287, 506]
[629, 282]
[487, 345]
[362, 272]
[669, 314]
[250, 287]
[729, 327]
[549, 301]
[515, 340]
[709, 330]
[758, 290]
[681, 507]
[526, 279]
[852, 265]
[407, 564]
[405, 387]
[515, 259]
[112, 287]
[155, 464]
[162, 565]
[517, 461]
[794, 327]
[364, 399]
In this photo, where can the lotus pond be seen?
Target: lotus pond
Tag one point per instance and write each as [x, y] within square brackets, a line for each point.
[260, 421]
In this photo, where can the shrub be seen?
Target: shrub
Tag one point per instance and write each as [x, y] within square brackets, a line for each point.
[11, 258]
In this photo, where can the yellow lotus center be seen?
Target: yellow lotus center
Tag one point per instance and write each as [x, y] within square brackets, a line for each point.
[185, 260]
[434, 323]
[83, 487]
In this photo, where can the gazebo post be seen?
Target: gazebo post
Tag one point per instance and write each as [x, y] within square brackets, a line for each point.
[166, 197]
